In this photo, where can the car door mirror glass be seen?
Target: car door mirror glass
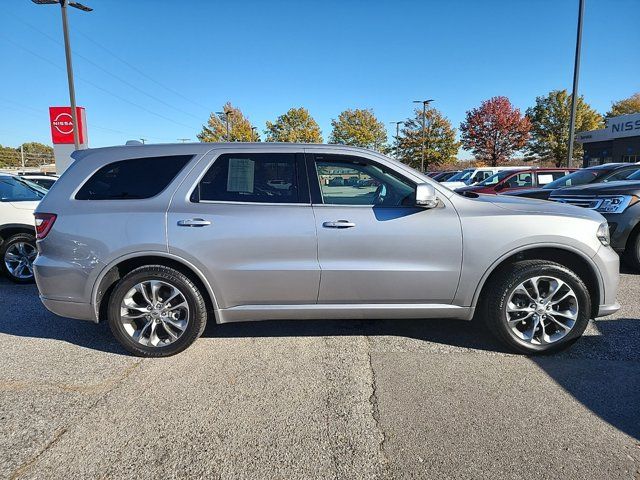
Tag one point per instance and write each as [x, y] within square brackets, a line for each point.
[426, 196]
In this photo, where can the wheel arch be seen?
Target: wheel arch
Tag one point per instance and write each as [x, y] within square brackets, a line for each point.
[10, 229]
[571, 258]
[108, 278]
[635, 232]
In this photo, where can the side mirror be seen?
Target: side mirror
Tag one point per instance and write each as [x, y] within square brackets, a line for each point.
[426, 196]
[500, 186]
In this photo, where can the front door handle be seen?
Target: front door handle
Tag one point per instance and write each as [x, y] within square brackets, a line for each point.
[194, 222]
[339, 224]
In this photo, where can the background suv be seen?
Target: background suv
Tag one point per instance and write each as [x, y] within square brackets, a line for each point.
[473, 175]
[609, 172]
[18, 199]
[160, 239]
[514, 180]
[619, 202]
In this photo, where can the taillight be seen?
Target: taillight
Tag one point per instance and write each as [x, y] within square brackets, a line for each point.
[44, 222]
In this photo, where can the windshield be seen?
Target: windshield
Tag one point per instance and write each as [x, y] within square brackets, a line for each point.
[18, 190]
[496, 178]
[462, 176]
[581, 177]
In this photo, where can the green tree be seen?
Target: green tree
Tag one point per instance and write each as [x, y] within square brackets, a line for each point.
[9, 157]
[550, 126]
[294, 126]
[36, 153]
[239, 127]
[360, 128]
[439, 140]
[625, 106]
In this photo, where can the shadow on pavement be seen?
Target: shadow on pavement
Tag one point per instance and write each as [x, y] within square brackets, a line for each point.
[25, 316]
[603, 373]
[456, 333]
[600, 371]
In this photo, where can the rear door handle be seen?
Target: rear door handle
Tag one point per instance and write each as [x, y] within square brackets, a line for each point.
[339, 224]
[194, 222]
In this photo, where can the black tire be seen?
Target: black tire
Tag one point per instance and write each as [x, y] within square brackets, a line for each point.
[6, 247]
[631, 254]
[192, 295]
[505, 283]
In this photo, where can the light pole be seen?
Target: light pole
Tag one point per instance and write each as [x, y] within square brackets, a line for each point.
[424, 129]
[67, 52]
[397, 124]
[254, 135]
[226, 114]
[574, 94]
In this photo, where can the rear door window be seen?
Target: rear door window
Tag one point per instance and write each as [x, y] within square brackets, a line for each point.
[545, 178]
[135, 178]
[520, 180]
[254, 177]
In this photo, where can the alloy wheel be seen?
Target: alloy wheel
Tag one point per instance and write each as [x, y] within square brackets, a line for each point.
[154, 313]
[542, 310]
[18, 259]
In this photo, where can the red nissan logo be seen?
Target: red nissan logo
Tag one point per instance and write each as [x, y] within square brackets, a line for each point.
[63, 123]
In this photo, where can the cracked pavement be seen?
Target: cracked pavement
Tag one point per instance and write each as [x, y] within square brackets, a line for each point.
[312, 399]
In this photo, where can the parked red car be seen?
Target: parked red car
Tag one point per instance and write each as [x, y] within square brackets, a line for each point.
[511, 180]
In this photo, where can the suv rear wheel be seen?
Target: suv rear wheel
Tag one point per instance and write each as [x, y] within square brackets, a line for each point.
[17, 254]
[156, 311]
[538, 306]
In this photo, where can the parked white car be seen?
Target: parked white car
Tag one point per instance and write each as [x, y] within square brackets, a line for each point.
[18, 200]
[45, 181]
[473, 175]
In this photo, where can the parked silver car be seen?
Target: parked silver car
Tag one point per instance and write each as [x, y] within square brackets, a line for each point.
[160, 239]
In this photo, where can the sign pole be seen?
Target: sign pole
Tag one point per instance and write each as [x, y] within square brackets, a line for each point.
[72, 92]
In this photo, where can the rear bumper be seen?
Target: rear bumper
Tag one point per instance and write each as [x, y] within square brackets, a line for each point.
[79, 311]
[604, 310]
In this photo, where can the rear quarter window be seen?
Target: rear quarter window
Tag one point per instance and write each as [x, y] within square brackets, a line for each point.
[135, 178]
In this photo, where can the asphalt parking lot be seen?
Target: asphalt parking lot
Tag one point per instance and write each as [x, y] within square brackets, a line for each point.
[351, 399]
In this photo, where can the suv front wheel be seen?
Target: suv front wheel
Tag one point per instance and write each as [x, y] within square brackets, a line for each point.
[156, 311]
[538, 306]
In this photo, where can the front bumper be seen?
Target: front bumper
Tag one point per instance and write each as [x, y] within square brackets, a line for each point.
[621, 225]
[608, 266]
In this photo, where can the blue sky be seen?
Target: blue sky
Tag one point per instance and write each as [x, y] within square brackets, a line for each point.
[189, 57]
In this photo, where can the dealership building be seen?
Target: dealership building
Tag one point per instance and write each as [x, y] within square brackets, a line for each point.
[618, 142]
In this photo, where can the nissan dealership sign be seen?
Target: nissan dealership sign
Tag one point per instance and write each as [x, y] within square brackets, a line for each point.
[62, 125]
[617, 127]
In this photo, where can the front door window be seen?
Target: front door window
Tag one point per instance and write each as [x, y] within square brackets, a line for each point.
[346, 180]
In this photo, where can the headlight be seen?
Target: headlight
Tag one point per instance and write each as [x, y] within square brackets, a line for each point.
[615, 204]
[603, 234]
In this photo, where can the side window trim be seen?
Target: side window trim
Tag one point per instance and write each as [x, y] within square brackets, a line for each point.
[302, 178]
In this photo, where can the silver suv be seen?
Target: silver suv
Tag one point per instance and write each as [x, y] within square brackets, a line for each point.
[160, 239]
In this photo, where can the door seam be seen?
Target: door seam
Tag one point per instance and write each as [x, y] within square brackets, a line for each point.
[315, 224]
